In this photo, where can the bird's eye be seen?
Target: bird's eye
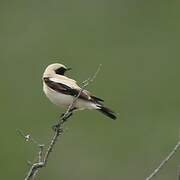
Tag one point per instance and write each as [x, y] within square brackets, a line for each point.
[60, 71]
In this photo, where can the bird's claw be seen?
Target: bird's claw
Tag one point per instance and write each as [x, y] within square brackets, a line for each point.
[65, 116]
[57, 127]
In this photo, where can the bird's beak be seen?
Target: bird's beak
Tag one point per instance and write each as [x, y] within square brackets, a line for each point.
[68, 69]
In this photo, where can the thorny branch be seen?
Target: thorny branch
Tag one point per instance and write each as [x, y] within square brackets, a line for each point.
[58, 131]
[164, 162]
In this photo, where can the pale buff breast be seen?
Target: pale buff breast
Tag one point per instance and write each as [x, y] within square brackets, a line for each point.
[64, 101]
[56, 98]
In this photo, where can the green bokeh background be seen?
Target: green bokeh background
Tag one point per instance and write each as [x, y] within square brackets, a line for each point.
[138, 44]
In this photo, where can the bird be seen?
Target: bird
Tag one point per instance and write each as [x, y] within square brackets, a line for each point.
[62, 91]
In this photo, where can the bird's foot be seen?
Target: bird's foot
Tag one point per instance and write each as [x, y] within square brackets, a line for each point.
[62, 115]
[57, 127]
[65, 116]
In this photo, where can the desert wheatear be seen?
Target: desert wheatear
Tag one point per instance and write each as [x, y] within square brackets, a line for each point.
[62, 91]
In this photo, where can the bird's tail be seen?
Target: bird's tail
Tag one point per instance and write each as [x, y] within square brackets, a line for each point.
[108, 112]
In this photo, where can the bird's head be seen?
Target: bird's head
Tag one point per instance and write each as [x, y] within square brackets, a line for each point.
[56, 68]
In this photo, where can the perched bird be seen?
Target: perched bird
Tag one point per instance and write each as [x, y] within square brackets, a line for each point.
[62, 91]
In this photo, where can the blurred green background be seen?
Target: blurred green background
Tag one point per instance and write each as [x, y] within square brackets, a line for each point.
[138, 44]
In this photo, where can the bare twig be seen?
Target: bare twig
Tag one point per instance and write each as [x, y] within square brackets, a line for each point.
[40, 153]
[42, 160]
[164, 162]
[93, 77]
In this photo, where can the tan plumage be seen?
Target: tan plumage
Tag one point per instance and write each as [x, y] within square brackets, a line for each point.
[62, 91]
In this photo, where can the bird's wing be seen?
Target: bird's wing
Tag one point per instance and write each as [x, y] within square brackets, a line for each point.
[64, 80]
[66, 87]
[96, 99]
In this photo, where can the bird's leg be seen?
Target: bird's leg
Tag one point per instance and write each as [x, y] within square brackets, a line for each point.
[62, 115]
[57, 127]
[63, 118]
[66, 116]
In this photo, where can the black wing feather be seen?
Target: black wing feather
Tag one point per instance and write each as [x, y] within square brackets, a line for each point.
[97, 98]
[64, 89]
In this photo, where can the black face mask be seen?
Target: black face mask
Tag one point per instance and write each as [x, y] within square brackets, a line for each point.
[62, 70]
